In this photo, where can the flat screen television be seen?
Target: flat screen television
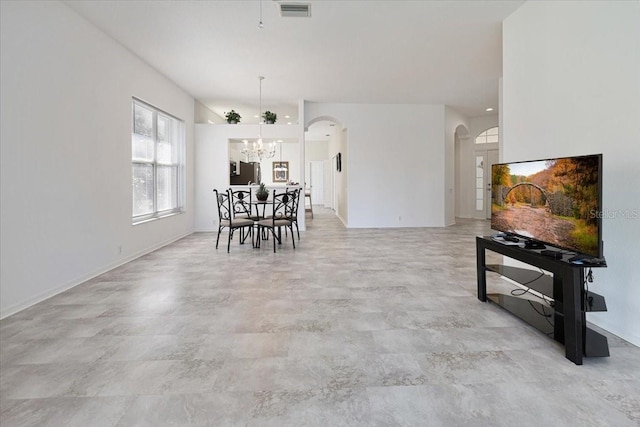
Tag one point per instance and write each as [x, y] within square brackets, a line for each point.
[553, 201]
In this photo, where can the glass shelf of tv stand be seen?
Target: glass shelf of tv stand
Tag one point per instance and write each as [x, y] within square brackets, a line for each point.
[540, 282]
[543, 318]
[543, 284]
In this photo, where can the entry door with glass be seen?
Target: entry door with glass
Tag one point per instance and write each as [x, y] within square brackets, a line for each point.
[484, 160]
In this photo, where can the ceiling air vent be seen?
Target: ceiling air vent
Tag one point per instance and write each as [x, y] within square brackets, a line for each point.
[296, 10]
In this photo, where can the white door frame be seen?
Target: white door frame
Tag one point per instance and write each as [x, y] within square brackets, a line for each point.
[334, 193]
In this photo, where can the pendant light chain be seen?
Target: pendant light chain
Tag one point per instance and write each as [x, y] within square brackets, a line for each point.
[258, 150]
[261, 78]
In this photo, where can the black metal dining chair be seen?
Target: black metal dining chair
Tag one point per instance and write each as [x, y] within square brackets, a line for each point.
[227, 219]
[294, 214]
[282, 216]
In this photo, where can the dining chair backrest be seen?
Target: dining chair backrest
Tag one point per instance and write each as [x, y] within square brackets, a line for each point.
[241, 203]
[283, 205]
[224, 207]
[296, 207]
[295, 193]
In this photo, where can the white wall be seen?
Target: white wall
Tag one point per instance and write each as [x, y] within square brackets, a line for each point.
[66, 93]
[211, 173]
[202, 114]
[395, 152]
[316, 150]
[340, 144]
[212, 162]
[571, 86]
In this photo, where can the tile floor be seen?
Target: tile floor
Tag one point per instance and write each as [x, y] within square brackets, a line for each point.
[365, 327]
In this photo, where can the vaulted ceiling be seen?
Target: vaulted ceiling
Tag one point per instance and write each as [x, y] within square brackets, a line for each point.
[427, 52]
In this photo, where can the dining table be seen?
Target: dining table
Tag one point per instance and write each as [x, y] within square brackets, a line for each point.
[261, 207]
[261, 213]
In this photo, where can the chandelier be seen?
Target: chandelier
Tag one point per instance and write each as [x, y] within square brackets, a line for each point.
[258, 149]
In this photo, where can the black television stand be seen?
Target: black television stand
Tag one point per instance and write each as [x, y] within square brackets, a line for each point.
[565, 321]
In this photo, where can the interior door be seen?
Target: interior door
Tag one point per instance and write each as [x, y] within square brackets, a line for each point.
[316, 184]
[483, 161]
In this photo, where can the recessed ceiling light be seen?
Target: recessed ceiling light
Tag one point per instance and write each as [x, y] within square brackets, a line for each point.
[287, 117]
[288, 123]
[256, 116]
[489, 109]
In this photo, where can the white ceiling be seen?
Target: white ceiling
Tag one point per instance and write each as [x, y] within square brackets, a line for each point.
[422, 52]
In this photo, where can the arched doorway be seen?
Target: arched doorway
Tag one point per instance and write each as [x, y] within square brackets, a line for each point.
[462, 143]
[326, 164]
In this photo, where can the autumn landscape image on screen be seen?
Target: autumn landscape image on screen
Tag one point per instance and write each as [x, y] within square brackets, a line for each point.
[554, 201]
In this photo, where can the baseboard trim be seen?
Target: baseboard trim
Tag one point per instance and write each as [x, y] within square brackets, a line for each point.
[9, 311]
[342, 220]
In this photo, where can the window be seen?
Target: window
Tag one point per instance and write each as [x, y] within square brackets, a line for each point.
[489, 136]
[479, 183]
[157, 159]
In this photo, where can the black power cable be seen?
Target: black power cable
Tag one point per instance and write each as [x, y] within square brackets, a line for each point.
[519, 292]
[588, 300]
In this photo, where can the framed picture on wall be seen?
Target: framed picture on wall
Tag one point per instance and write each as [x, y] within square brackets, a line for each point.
[280, 171]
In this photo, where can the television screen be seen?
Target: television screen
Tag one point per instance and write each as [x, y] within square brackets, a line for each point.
[553, 201]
